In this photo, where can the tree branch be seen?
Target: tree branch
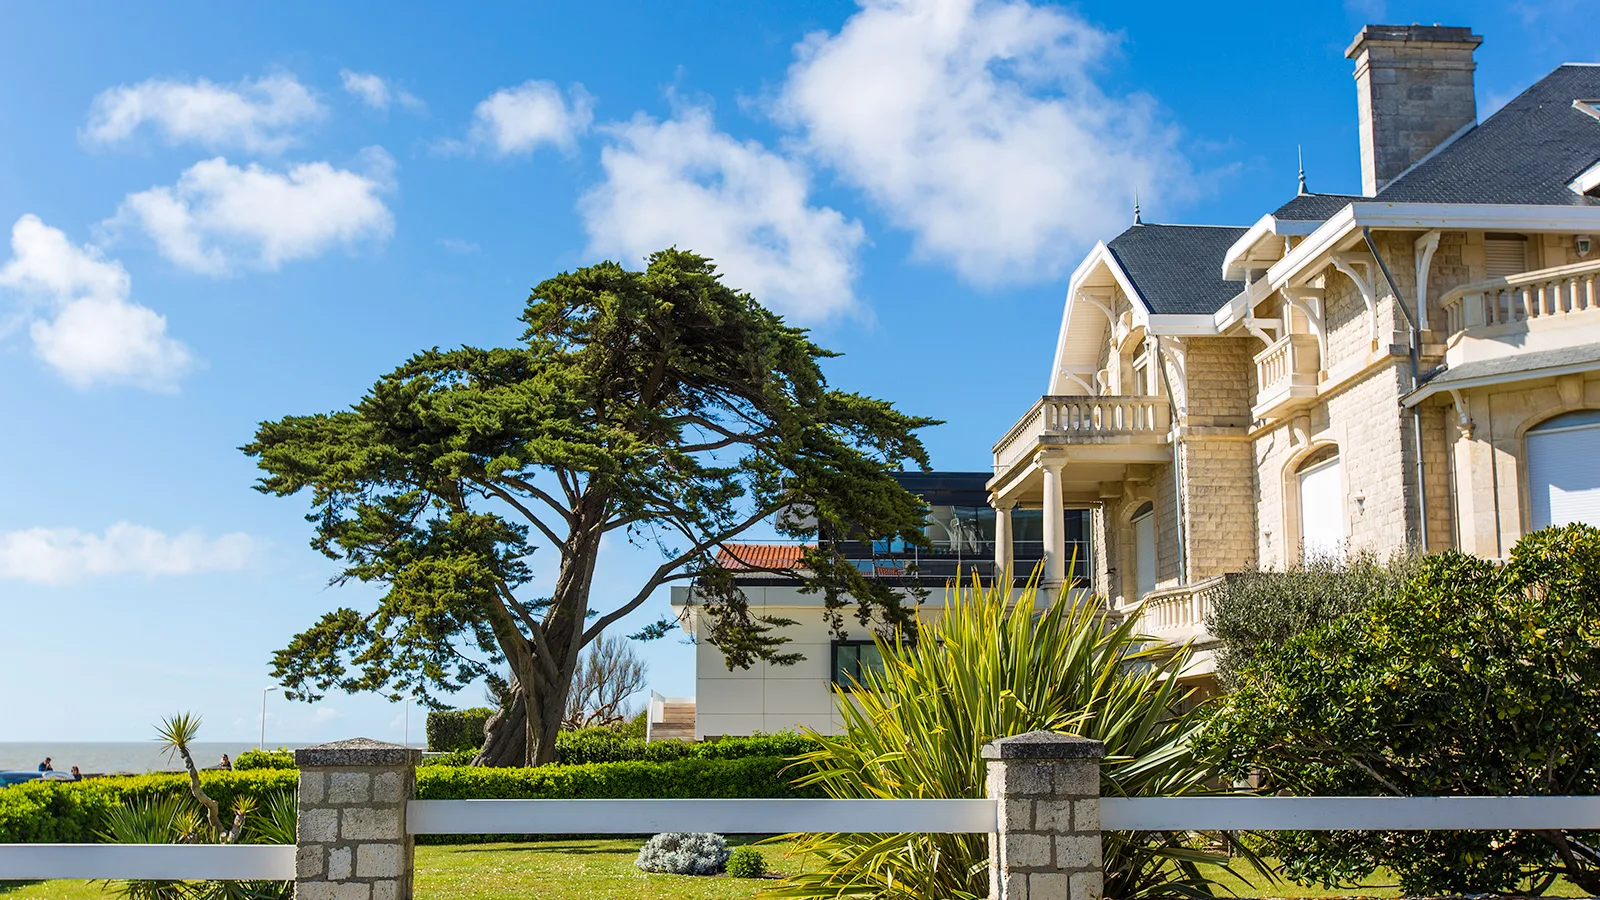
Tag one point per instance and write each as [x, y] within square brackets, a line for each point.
[528, 514]
[665, 570]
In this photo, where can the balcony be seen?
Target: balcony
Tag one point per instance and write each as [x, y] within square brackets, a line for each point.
[1285, 371]
[1113, 419]
[1548, 294]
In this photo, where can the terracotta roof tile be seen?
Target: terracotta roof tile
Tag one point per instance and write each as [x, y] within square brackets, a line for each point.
[761, 556]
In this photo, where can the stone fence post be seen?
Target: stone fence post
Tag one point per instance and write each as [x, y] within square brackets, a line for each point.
[352, 842]
[1047, 786]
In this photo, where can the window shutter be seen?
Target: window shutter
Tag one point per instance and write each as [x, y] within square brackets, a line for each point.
[1322, 518]
[1563, 477]
[1144, 555]
[1506, 257]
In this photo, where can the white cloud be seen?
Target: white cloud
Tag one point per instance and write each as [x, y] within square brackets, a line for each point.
[979, 127]
[516, 121]
[219, 216]
[459, 246]
[683, 183]
[376, 92]
[258, 115]
[64, 555]
[90, 332]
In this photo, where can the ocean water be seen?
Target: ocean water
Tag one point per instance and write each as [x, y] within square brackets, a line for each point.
[129, 756]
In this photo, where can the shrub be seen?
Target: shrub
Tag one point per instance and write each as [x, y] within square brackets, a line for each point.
[1257, 611]
[457, 729]
[281, 758]
[992, 666]
[747, 862]
[1469, 679]
[684, 853]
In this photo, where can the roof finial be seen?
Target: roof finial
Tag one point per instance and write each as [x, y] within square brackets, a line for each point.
[1136, 219]
[1300, 151]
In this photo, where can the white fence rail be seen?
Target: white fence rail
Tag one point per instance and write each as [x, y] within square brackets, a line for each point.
[1348, 813]
[722, 816]
[157, 862]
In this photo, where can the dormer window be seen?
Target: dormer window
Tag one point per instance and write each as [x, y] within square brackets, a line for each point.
[1587, 183]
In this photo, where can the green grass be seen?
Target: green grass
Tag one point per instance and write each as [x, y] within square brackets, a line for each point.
[603, 870]
[549, 870]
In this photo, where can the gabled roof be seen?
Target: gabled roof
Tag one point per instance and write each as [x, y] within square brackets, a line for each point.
[1177, 268]
[1313, 207]
[1526, 153]
[739, 557]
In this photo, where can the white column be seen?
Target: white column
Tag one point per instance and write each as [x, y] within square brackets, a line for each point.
[1002, 540]
[1055, 537]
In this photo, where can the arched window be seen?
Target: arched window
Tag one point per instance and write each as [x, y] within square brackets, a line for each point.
[1144, 550]
[1322, 519]
[1563, 477]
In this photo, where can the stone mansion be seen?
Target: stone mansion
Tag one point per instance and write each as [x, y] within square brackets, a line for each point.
[1413, 368]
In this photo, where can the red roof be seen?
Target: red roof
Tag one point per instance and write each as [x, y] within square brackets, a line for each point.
[761, 556]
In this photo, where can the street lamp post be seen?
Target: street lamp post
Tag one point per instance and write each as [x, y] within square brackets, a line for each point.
[408, 722]
[264, 692]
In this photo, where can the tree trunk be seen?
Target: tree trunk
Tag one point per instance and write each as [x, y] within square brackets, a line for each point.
[507, 740]
[503, 741]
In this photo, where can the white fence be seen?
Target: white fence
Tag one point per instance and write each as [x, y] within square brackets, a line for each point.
[157, 862]
[1221, 813]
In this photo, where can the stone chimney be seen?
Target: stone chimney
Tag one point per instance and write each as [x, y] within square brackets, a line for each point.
[1413, 90]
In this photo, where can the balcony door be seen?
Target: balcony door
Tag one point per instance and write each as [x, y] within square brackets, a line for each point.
[1563, 479]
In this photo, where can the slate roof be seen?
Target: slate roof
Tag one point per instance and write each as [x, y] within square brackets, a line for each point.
[1524, 154]
[1313, 207]
[760, 556]
[1517, 368]
[1177, 269]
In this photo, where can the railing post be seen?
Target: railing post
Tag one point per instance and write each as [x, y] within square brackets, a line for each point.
[353, 843]
[1047, 787]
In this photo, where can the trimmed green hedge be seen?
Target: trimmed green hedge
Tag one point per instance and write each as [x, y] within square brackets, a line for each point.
[594, 745]
[461, 730]
[281, 758]
[683, 778]
[74, 812]
[457, 729]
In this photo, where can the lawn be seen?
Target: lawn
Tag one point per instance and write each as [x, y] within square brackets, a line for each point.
[603, 870]
[549, 870]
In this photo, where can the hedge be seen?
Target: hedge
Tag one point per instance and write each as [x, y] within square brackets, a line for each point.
[456, 729]
[281, 758]
[462, 730]
[74, 812]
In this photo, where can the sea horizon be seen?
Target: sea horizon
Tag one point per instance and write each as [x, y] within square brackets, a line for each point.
[108, 757]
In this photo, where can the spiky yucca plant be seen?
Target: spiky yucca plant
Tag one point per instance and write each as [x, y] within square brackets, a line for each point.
[994, 665]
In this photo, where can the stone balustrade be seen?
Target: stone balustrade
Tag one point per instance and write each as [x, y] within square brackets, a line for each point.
[1544, 293]
[1075, 419]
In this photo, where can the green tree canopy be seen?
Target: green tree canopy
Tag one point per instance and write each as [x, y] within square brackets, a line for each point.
[1469, 679]
[663, 405]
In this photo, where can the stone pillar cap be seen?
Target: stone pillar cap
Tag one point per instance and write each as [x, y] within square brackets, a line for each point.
[1044, 745]
[357, 752]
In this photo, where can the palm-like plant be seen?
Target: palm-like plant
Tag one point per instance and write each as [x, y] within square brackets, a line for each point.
[991, 666]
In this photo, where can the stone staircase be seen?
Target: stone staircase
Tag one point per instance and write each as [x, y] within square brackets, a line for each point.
[671, 718]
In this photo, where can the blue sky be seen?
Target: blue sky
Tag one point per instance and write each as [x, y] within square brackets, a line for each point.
[215, 214]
